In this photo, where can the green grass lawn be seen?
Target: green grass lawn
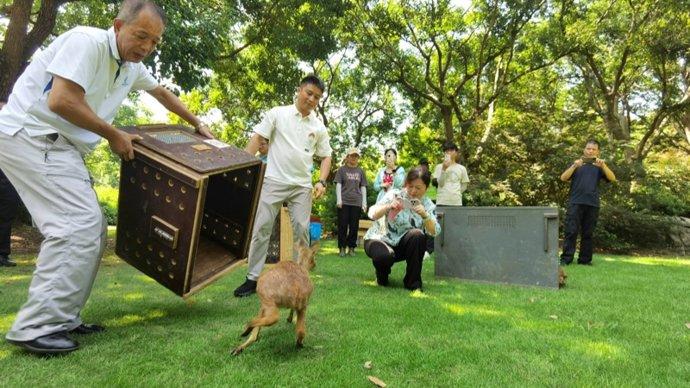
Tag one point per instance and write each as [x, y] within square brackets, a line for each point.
[621, 322]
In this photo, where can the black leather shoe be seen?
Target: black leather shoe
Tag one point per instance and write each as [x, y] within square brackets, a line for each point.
[247, 288]
[381, 278]
[6, 262]
[416, 286]
[87, 328]
[56, 343]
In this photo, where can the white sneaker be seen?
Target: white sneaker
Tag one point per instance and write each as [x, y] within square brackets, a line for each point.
[426, 255]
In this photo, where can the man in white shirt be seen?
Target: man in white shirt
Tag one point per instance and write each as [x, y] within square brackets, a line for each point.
[295, 134]
[60, 108]
[451, 177]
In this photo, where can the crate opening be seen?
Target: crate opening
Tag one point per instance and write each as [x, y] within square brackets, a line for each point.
[226, 217]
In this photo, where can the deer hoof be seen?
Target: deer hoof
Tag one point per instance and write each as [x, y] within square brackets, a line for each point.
[237, 351]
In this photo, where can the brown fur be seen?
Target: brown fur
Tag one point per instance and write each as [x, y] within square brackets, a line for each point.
[561, 277]
[286, 285]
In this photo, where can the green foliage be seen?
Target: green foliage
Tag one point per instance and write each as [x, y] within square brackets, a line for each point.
[325, 209]
[519, 85]
[621, 230]
[107, 198]
[103, 165]
[663, 190]
[487, 192]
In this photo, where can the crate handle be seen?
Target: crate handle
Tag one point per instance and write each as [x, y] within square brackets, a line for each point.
[547, 217]
[164, 232]
[440, 216]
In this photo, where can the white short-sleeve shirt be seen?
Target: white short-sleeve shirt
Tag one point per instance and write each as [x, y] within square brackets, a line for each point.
[451, 184]
[293, 142]
[87, 56]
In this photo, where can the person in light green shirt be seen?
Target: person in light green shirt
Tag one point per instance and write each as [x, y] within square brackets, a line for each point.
[403, 220]
[391, 176]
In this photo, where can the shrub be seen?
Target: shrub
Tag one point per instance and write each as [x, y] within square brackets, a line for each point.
[483, 191]
[107, 198]
[624, 231]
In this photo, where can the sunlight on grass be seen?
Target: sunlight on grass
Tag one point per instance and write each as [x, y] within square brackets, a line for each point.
[598, 349]
[332, 250]
[146, 279]
[4, 354]
[543, 324]
[651, 261]
[6, 322]
[419, 295]
[134, 296]
[130, 319]
[14, 278]
[370, 283]
[478, 310]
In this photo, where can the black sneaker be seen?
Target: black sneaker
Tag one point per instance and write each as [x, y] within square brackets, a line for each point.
[247, 288]
[6, 262]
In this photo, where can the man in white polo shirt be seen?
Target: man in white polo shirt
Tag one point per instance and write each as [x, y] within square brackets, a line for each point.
[59, 109]
[296, 134]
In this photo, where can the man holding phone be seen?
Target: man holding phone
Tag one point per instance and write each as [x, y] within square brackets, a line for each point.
[583, 206]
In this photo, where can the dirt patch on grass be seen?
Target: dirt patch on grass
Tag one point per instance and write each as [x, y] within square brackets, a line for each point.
[27, 239]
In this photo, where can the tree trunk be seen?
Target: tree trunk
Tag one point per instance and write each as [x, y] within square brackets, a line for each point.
[20, 44]
[447, 116]
[12, 52]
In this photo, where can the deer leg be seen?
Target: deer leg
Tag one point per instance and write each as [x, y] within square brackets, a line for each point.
[301, 328]
[252, 338]
[249, 326]
[270, 315]
[267, 317]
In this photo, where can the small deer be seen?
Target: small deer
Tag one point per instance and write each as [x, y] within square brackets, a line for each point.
[285, 285]
[561, 277]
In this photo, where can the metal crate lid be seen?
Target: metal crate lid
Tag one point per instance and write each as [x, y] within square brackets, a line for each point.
[184, 146]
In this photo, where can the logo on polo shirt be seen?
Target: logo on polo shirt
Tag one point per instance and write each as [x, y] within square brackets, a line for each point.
[311, 142]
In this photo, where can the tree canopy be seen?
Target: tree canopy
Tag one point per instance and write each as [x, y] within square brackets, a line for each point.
[518, 84]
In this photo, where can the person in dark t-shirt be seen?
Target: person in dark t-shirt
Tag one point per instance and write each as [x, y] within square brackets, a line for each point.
[351, 199]
[583, 206]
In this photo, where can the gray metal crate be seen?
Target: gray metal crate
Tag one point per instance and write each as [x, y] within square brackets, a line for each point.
[517, 245]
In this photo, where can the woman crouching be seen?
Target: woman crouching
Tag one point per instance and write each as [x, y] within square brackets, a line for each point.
[403, 218]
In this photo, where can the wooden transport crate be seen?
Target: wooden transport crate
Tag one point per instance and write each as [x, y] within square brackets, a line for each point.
[186, 207]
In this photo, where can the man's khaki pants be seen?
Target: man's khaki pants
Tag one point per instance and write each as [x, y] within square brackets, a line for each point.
[273, 194]
[54, 185]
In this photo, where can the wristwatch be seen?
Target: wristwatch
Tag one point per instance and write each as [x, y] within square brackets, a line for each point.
[323, 182]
